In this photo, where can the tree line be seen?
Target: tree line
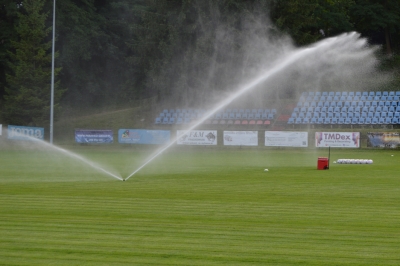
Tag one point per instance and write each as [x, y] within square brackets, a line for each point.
[113, 52]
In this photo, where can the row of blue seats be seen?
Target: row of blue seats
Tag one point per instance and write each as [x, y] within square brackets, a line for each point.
[224, 115]
[180, 120]
[344, 121]
[346, 109]
[345, 114]
[347, 103]
[351, 93]
[347, 98]
[227, 110]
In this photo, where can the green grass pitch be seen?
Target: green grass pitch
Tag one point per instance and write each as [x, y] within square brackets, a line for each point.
[199, 206]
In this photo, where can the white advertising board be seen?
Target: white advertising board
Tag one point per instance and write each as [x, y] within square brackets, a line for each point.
[241, 138]
[197, 137]
[286, 138]
[1, 129]
[337, 139]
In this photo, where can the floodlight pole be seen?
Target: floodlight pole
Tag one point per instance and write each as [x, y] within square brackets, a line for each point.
[52, 74]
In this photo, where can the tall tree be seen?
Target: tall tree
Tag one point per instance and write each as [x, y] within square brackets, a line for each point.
[27, 98]
[378, 17]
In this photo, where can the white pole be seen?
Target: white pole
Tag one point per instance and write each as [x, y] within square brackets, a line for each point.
[52, 74]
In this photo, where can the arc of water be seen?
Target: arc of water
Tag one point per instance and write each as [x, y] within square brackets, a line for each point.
[287, 61]
[81, 158]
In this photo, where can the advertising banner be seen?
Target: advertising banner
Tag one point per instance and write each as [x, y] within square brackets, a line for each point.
[197, 137]
[383, 139]
[241, 138]
[337, 139]
[286, 139]
[94, 136]
[143, 136]
[25, 133]
[1, 129]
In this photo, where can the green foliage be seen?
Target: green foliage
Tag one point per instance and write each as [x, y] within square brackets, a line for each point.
[27, 98]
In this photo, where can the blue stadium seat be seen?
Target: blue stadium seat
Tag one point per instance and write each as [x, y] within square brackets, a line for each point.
[397, 114]
[357, 114]
[392, 109]
[324, 93]
[385, 109]
[338, 93]
[313, 120]
[377, 114]
[165, 120]
[239, 115]
[327, 120]
[388, 120]
[330, 109]
[320, 120]
[374, 103]
[368, 120]
[339, 104]
[349, 98]
[336, 114]
[375, 121]
[291, 120]
[370, 98]
[336, 98]
[273, 111]
[384, 98]
[358, 93]
[392, 93]
[310, 109]
[385, 93]
[389, 98]
[171, 120]
[370, 114]
[344, 93]
[363, 98]
[317, 109]
[157, 120]
[371, 93]
[381, 120]
[264, 116]
[331, 93]
[270, 116]
[394, 103]
[337, 109]
[251, 115]
[298, 120]
[350, 109]
[351, 93]
[395, 120]
[378, 109]
[179, 121]
[334, 121]
[347, 120]
[383, 114]
[329, 115]
[347, 104]
[357, 109]
[377, 98]
[378, 93]
[398, 108]
[356, 99]
[364, 93]
[313, 104]
[309, 114]
[367, 104]
[341, 120]
[322, 114]
[371, 109]
[306, 120]
[361, 120]
[365, 109]
[354, 120]
[321, 99]
[342, 98]
[343, 114]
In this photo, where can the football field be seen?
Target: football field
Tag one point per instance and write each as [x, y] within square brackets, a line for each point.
[199, 206]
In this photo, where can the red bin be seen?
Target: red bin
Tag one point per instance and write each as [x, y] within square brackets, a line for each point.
[323, 163]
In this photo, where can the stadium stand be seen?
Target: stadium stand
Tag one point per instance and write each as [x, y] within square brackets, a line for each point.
[228, 116]
[347, 108]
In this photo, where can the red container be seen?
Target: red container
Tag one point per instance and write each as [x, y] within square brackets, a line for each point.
[323, 163]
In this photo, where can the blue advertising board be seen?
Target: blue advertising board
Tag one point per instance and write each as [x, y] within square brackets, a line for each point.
[25, 133]
[93, 136]
[143, 136]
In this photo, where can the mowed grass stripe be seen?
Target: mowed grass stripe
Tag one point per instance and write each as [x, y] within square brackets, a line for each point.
[225, 214]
